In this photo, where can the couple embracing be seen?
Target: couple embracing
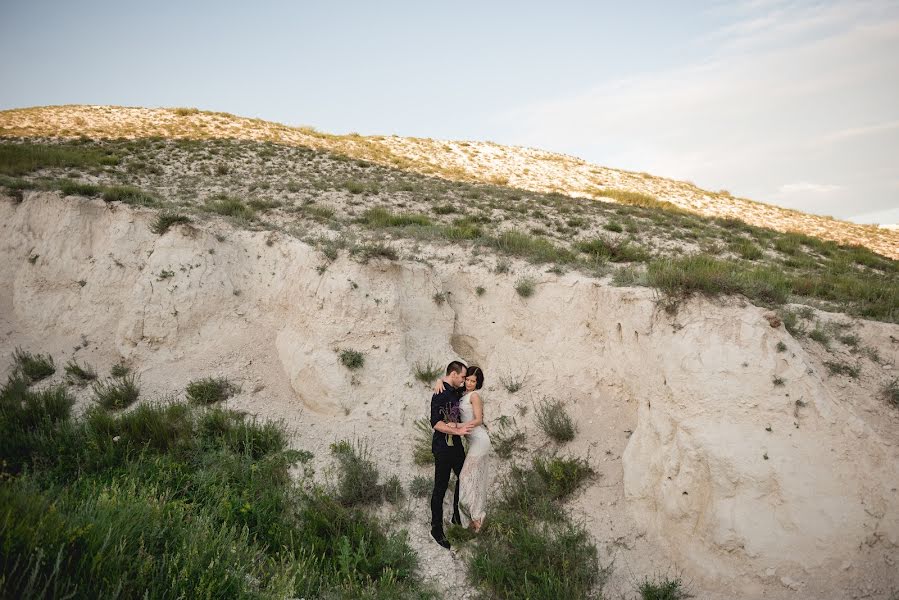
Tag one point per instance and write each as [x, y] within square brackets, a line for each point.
[457, 410]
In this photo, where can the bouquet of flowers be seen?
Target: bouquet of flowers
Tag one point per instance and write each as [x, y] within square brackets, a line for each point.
[451, 414]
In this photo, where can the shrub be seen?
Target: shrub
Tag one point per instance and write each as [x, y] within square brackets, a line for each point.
[791, 323]
[555, 421]
[838, 368]
[77, 188]
[891, 393]
[33, 366]
[352, 359]
[380, 217]
[358, 476]
[513, 382]
[525, 287]
[129, 195]
[562, 476]
[662, 589]
[781, 347]
[480, 290]
[230, 206]
[166, 219]
[77, 373]
[27, 418]
[535, 249]
[421, 486]
[119, 370]
[745, 249]
[613, 226]
[116, 393]
[210, 390]
[427, 372]
[507, 439]
[819, 335]
[393, 490]
[20, 159]
[615, 251]
[421, 453]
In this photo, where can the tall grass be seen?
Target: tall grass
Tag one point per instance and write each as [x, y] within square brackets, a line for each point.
[175, 501]
[528, 547]
[21, 159]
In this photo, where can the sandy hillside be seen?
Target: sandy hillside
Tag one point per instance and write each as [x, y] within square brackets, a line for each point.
[725, 447]
[524, 168]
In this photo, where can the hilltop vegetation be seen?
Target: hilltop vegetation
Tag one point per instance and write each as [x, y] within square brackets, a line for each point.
[369, 210]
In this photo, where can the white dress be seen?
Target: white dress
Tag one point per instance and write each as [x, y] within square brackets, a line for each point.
[477, 472]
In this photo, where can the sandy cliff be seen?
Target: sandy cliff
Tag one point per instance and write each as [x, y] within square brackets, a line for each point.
[753, 488]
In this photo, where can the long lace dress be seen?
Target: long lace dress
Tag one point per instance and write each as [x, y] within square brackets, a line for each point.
[477, 472]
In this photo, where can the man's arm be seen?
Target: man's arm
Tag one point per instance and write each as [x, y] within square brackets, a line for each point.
[437, 422]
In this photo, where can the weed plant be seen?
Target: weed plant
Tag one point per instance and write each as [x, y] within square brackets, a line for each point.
[117, 393]
[352, 359]
[33, 367]
[176, 501]
[427, 372]
[358, 475]
[210, 390]
[421, 452]
[78, 374]
[555, 421]
[166, 219]
[506, 437]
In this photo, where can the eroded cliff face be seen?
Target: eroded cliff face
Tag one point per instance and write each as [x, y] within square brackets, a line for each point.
[751, 487]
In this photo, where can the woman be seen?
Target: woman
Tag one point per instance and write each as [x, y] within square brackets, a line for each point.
[477, 470]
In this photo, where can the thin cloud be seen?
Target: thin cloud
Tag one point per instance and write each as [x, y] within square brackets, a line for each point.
[779, 100]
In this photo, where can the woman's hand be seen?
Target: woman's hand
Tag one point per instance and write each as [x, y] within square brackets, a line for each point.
[439, 386]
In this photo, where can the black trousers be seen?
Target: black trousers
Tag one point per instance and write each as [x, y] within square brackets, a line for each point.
[444, 462]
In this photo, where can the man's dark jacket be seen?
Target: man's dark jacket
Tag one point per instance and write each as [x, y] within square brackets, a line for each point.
[441, 403]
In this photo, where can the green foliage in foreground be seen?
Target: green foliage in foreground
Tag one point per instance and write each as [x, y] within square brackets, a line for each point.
[175, 501]
[536, 554]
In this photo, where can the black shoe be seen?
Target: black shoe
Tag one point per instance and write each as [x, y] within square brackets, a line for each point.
[456, 520]
[440, 538]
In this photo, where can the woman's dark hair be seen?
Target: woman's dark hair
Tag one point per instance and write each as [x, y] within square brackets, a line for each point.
[478, 373]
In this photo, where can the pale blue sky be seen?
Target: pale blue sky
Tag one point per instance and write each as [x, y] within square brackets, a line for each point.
[789, 102]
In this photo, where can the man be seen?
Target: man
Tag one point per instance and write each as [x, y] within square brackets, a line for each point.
[447, 457]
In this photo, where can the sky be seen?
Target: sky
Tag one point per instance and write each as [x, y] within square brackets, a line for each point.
[794, 103]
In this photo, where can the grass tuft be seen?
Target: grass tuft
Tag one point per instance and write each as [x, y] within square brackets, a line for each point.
[358, 476]
[555, 421]
[114, 394]
[427, 372]
[78, 374]
[166, 219]
[352, 359]
[525, 287]
[210, 390]
[34, 367]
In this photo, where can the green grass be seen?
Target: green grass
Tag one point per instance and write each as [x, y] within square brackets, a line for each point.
[612, 250]
[358, 476]
[175, 501]
[841, 368]
[421, 486]
[703, 274]
[507, 438]
[637, 199]
[421, 452]
[117, 393]
[166, 219]
[528, 547]
[230, 206]
[380, 218]
[352, 359]
[746, 250]
[119, 370]
[78, 188]
[555, 421]
[210, 390]
[891, 393]
[79, 374]
[34, 367]
[662, 588]
[21, 159]
[427, 372]
[525, 287]
[532, 248]
[129, 195]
